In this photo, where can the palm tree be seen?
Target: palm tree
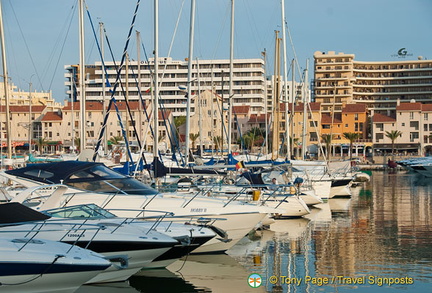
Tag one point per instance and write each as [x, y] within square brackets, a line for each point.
[351, 136]
[217, 140]
[77, 143]
[393, 135]
[41, 142]
[193, 137]
[327, 139]
[115, 140]
[249, 140]
[295, 143]
[179, 121]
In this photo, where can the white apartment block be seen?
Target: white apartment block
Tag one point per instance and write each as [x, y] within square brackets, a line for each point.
[340, 79]
[249, 82]
[21, 97]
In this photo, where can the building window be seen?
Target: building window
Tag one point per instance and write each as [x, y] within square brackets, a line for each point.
[403, 124]
[411, 117]
[414, 136]
[379, 136]
[380, 126]
[356, 117]
[425, 116]
[414, 124]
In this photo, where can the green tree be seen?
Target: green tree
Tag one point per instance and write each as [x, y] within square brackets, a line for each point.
[253, 136]
[217, 140]
[114, 140]
[179, 121]
[41, 142]
[351, 136]
[393, 135]
[193, 137]
[327, 139]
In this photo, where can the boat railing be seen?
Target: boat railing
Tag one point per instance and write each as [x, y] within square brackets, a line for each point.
[38, 228]
[236, 196]
[162, 215]
[201, 191]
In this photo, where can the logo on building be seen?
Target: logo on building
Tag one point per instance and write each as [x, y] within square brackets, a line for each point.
[402, 53]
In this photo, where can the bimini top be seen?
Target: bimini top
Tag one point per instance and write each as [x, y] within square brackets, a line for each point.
[88, 176]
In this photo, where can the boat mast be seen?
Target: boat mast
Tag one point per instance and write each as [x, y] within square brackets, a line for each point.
[305, 101]
[264, 54]
[82, 77]
[156, 83]
[104, 101]
[285, 83]
[6, 87]
[276, 100]
[293, 98]
[230, 96]
[200, 104]
[189, 78]
[140, 110]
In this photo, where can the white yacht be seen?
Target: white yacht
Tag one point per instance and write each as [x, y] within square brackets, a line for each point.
[39, 265]
[127, 246]
[94, 183]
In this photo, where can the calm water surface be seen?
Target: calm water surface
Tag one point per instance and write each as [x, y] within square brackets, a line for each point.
[382, 234]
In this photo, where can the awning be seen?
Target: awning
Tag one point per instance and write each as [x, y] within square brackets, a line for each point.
[397, 146]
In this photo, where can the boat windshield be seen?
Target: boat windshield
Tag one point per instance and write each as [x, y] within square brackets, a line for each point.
[88, 211]
[100, 178]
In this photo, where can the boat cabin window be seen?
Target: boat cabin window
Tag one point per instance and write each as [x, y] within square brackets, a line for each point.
[39, 173]
[81, 211]
[117, 186]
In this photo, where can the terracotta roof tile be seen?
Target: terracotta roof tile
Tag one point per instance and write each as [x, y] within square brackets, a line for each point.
[409, 106]
[378, 118]
[327, 119]
[24, 108]
[52, 116]
[354, 108]
[241, 109]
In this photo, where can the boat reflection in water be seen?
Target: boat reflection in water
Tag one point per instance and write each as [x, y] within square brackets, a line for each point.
[381, 233]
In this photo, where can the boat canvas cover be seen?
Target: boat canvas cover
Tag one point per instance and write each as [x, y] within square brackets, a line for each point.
[15, 212]
[53, 172]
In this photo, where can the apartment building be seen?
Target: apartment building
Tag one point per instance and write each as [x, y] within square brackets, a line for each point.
[249, 82]
[132, 120]
[413, 120]
[339, 79]
[20, 97]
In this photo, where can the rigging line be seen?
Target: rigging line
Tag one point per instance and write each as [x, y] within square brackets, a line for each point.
[293, 48]
[252, 23]
[163, 111]
[161, 104]
[62, 47]
[28, 50]
[112, 100]
[118, 81]
[221, 31]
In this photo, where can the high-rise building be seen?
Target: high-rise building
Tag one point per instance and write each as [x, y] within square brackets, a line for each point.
[249, 82]
[340, 79]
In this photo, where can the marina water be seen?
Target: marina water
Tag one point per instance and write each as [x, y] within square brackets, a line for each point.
[378, 240]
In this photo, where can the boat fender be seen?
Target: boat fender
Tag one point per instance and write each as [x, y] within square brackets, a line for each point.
[118, 261]
[221, 233]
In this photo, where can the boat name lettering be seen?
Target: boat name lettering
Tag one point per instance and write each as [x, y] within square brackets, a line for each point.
[198, 210]
[75, 235]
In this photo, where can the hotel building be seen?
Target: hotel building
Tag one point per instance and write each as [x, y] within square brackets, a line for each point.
[340, 79]
[249, 82]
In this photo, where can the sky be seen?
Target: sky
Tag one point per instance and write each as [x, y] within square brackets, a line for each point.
[41, 36]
